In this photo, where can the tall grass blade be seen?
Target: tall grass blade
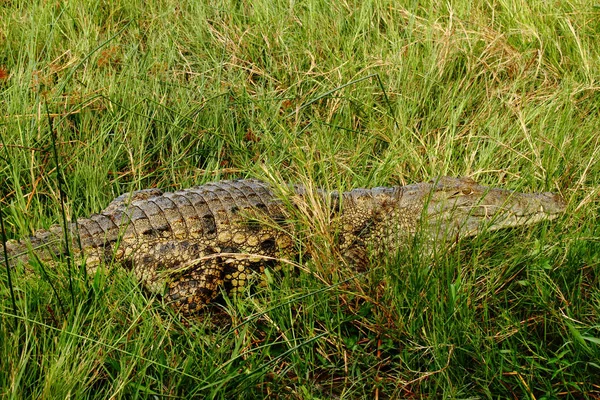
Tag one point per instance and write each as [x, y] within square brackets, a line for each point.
[62, 196]
[8, 273]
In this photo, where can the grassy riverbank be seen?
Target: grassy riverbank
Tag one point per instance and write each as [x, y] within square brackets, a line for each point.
[171, 94]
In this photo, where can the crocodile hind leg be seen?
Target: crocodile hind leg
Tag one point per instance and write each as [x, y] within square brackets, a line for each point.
[201, 280]
[196, 287]
[189, 274]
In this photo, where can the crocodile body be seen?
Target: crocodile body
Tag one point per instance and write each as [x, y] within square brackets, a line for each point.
[190, 244]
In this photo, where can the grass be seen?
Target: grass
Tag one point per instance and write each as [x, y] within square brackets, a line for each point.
[339, 95]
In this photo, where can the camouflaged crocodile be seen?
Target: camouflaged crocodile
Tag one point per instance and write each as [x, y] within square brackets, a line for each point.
[190, 244]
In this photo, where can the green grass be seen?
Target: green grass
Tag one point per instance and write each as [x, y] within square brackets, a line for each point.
[339, 94]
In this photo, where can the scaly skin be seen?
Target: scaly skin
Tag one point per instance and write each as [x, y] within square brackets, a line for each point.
[189, 244]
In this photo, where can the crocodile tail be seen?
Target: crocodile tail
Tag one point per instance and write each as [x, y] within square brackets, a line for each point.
[45, 245]
[17, 251]
[49, 245]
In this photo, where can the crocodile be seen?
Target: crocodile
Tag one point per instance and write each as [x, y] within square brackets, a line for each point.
[191, 244]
